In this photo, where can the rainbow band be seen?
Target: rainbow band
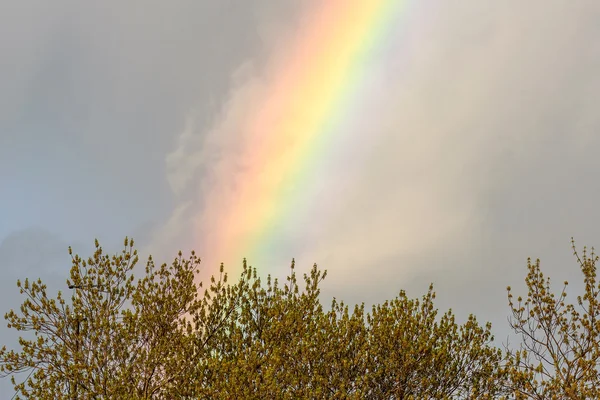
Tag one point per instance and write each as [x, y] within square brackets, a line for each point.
[315, 83]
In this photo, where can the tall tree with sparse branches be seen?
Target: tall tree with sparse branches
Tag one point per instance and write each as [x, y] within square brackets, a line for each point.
[559, 357]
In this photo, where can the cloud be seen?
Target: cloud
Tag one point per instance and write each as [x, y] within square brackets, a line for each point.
[462, 117]
[94, 95]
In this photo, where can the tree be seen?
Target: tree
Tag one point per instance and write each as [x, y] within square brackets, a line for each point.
[281, 344]
[560, 351]
[414, 355]
[119, 337]
[159, 337]
[273, 343]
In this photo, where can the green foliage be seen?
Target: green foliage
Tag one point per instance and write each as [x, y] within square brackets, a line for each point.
[281, 344]
[117, 337]
[413, 354]
[163, 336]
[560, 351]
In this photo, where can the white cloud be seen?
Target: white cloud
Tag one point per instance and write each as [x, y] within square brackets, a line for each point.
[451, 121]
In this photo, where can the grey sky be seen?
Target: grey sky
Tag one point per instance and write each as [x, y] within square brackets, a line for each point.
[486, 123]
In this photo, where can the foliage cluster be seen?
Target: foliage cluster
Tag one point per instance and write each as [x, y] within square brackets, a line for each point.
[164, 336]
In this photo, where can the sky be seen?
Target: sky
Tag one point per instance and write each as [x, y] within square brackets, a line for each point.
[464, 142]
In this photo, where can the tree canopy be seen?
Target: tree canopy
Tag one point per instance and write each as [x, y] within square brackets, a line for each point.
[162, 335]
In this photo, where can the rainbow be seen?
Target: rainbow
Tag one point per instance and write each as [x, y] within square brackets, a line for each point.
[315, 85]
